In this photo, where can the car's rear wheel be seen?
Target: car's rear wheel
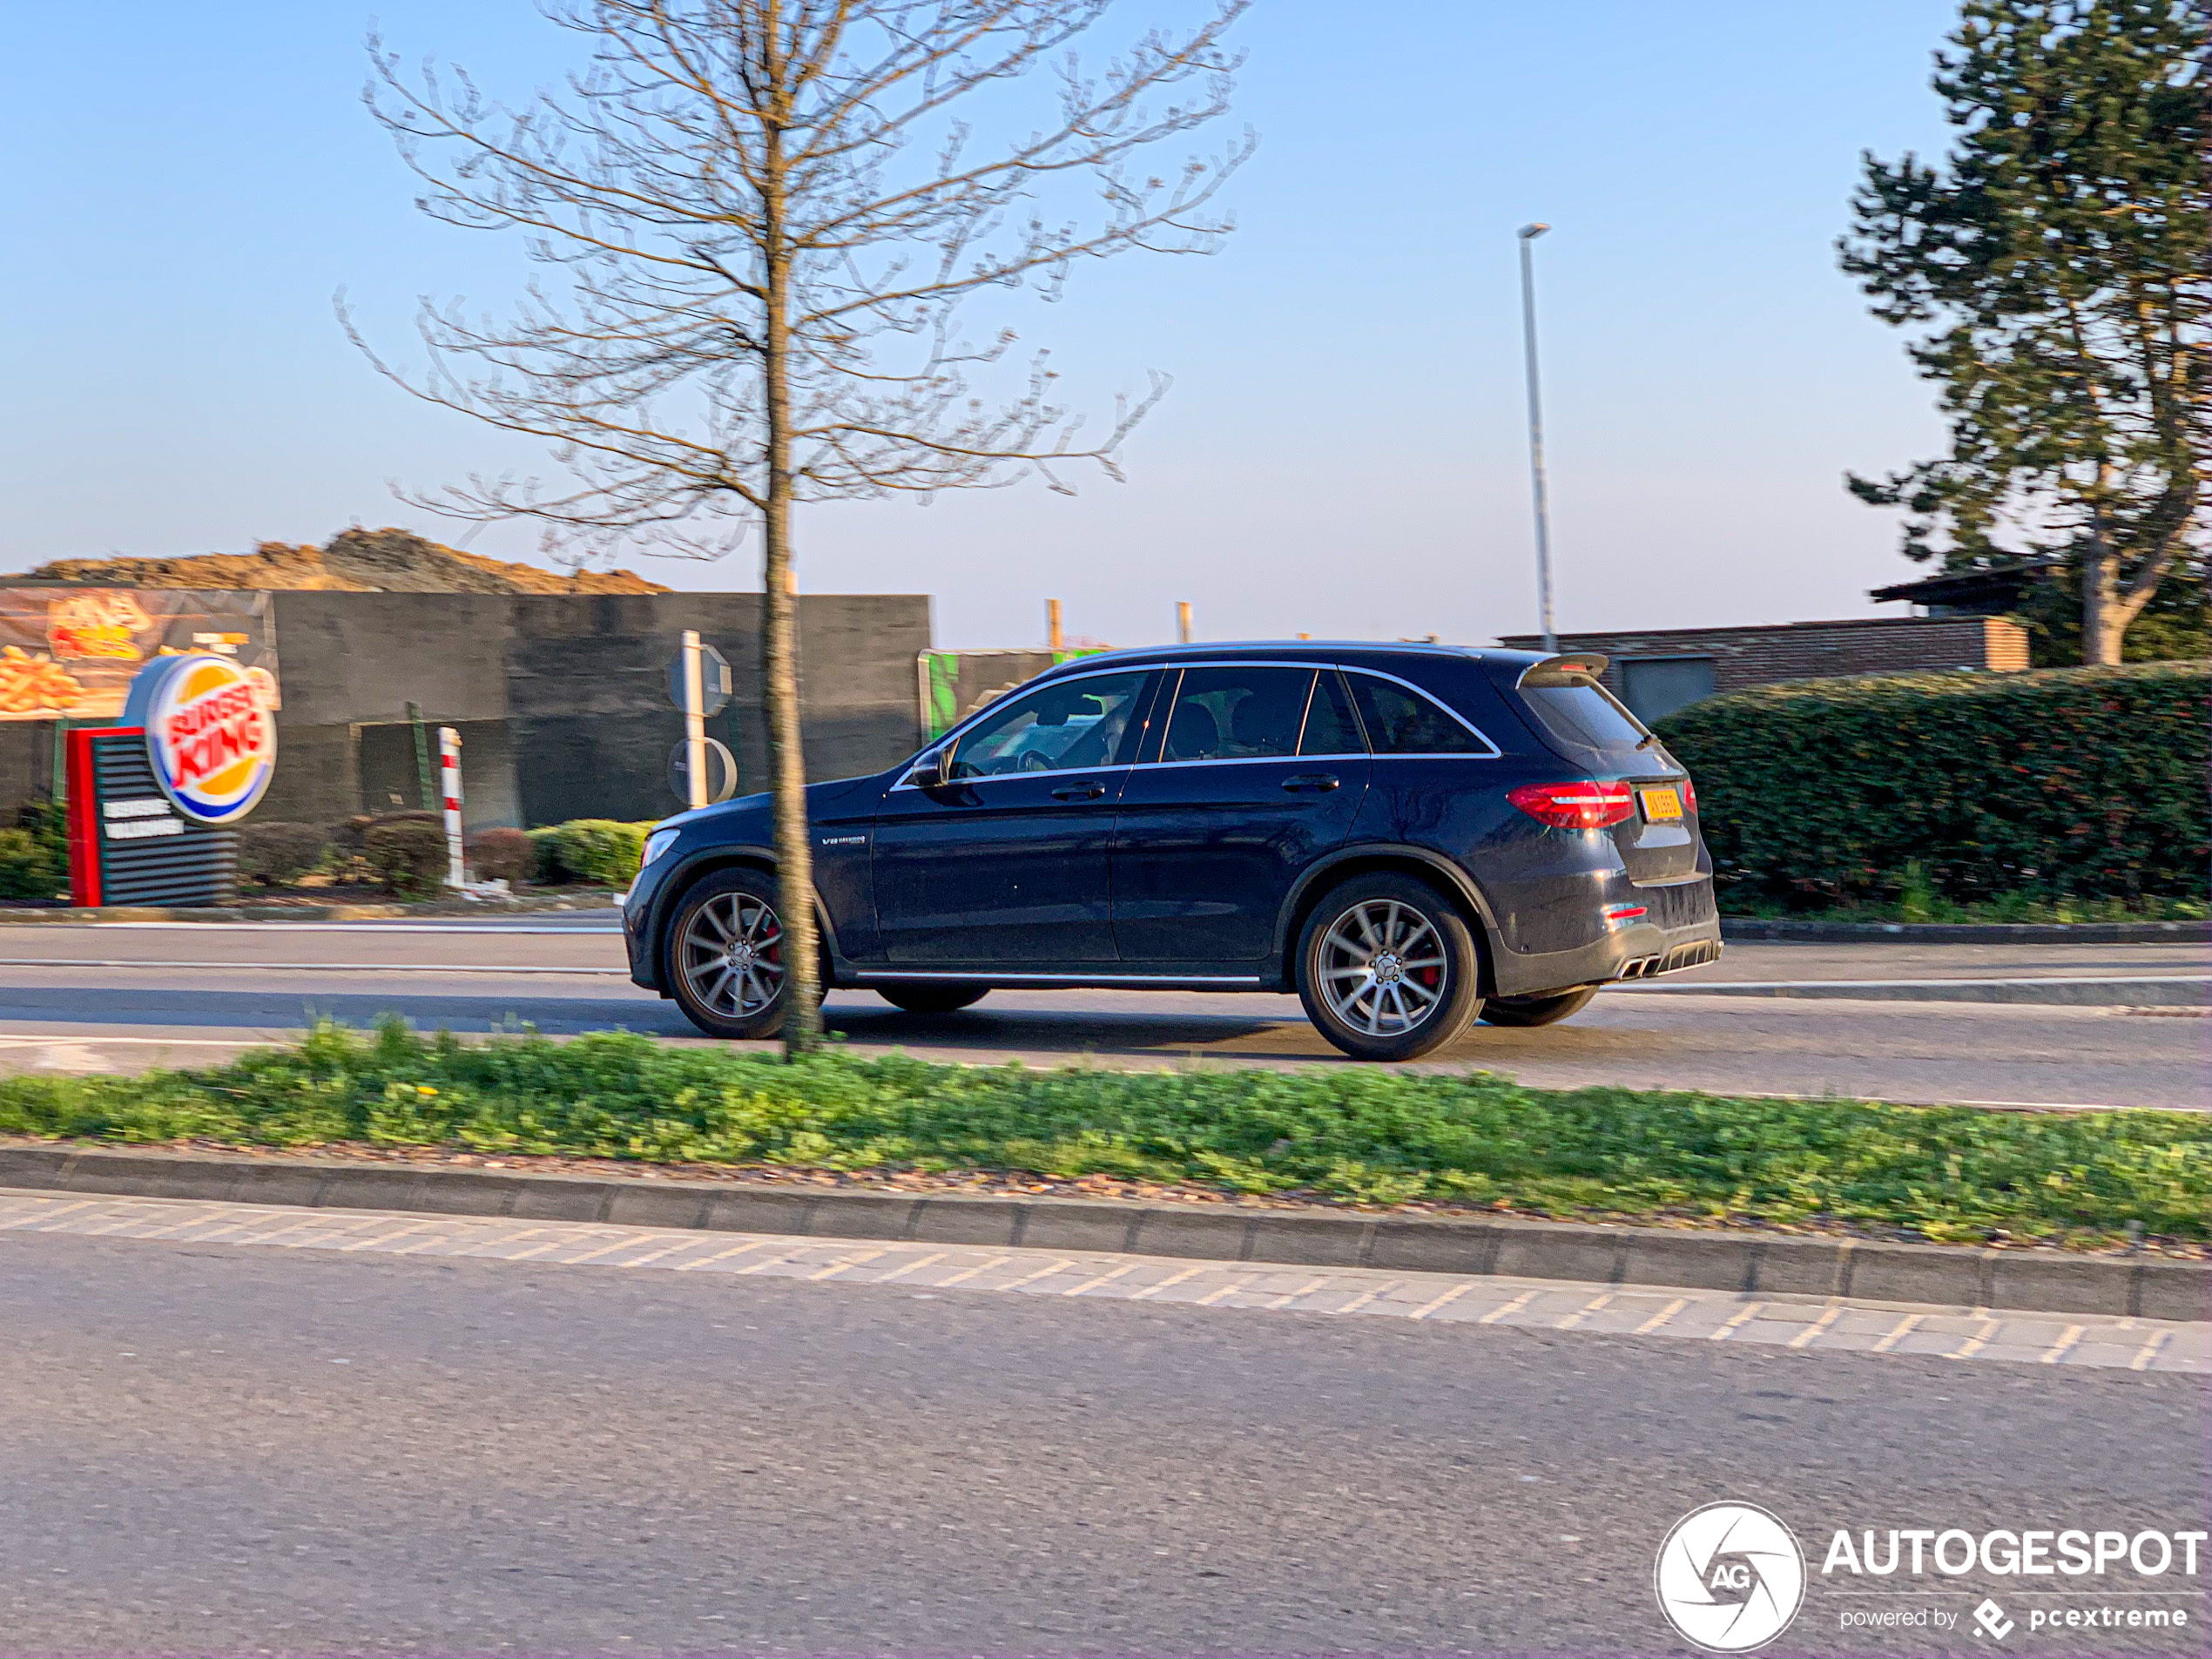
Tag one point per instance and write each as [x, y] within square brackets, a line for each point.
[941, 996]
[1537, 1010]
[1387, 968]
[726, 956]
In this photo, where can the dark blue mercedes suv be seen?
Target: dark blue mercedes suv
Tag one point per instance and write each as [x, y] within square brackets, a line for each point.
[1411, 837]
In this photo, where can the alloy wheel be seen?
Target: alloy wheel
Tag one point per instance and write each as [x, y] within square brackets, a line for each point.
[1382, 967]
[732, 955]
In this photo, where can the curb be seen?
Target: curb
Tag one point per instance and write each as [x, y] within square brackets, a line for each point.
[2018, 1280]
[1970, 932]
[78, 914]
[2163, 990]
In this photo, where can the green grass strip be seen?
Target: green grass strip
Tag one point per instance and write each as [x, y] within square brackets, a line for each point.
[1363, 1134]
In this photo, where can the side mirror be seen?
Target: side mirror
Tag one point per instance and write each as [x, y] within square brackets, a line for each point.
[928, 773]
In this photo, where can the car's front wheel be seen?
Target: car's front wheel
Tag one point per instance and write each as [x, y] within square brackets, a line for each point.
[933, 997]
[1387, 968]
[726, 956]
[1537, 1010]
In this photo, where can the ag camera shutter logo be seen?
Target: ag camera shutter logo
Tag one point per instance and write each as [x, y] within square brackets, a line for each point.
[1730, 1577]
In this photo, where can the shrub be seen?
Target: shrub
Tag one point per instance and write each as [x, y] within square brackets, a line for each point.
[502, 855]
[28, 868]
[545, 848]
[277, 851]
[600, 849]
[350, 837]
[410, 855]
[2083, 782]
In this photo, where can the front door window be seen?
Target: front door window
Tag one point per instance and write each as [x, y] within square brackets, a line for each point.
[1064, 727]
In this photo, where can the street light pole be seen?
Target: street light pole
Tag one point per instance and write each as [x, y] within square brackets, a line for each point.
[1528, 234]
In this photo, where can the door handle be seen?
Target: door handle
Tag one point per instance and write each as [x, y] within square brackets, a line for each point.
[1089, 789]
[1320, 782]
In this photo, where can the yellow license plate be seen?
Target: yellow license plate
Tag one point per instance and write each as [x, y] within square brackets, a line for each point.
[1661, 803]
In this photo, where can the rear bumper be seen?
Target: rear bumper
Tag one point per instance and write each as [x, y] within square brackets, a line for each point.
[1683, 933]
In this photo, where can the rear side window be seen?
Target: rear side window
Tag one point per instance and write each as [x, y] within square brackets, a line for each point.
[1584, 717]
[1402, 722]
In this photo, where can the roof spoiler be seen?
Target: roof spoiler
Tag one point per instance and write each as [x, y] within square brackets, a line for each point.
[1572, 668]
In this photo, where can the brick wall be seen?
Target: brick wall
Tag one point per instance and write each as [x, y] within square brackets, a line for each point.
[1800, 651]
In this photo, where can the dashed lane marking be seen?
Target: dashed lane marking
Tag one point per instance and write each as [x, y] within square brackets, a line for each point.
[1813, 1326]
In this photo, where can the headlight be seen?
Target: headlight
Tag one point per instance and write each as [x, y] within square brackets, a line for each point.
[658, 843]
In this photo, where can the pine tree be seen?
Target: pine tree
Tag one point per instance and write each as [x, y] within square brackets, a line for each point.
[2055, 268]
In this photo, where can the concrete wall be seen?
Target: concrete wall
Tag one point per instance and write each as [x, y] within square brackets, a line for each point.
[580, 686]
[1796, 651]
[561, 700]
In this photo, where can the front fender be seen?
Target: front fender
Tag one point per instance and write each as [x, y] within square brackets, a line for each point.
[648, 932]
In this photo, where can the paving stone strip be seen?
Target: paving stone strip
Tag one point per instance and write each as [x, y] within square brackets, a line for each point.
[1818, 1325]
[1750, 1264]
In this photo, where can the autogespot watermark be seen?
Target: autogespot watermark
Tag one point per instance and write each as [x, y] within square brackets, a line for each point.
[1731, 1577]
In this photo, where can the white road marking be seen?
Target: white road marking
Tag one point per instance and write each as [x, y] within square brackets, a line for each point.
[1973, 1345]
[1729, 1329]
[2058, 1350]
[2149, 1349]
[1596, 1305]
[1103, 1278]
[2087, 1342]
[1806, 1338]
[1904, 1329]
[1514, 1306]
[1154, 1290]
[719, 1255]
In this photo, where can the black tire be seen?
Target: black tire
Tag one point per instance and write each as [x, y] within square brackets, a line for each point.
[934, 996]
[1416, 1003]
[1537, 1010]
[723, 951]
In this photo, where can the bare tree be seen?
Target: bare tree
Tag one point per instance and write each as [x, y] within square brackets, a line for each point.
[764, 218]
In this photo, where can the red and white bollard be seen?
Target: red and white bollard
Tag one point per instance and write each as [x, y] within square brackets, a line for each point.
[449, 786]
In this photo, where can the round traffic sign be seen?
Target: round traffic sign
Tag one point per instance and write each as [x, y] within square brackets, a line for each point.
[721, 771]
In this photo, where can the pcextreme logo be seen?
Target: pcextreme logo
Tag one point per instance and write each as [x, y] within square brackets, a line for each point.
[1730, 1577]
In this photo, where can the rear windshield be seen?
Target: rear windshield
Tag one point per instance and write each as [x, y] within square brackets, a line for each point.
[1584, 717]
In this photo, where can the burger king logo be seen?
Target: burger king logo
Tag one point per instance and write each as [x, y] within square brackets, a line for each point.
[209, 734]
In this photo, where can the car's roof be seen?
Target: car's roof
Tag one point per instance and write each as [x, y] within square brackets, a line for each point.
[1375, 653]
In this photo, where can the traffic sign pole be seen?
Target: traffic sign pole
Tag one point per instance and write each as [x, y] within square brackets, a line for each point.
[694, 720]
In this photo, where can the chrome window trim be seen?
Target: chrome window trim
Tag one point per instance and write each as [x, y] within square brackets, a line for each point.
[1274, 760]
[951, 739]
[1430, 698]
[1015, 777]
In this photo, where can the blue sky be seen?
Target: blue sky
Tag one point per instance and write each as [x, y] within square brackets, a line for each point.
[1343, 450]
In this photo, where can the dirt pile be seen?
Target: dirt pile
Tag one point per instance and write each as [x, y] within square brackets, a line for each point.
[356, 561]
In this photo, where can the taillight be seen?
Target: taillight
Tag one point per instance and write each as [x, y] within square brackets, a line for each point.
[1688, 796]
[1577, 805]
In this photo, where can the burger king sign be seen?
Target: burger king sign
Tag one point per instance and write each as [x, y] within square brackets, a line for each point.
[209, 734]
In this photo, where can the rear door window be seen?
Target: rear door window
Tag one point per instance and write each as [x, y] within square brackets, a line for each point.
[1401, 721]
[1237, 714]
[1330, 729]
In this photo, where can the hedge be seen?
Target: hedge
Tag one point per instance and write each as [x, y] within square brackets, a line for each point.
[2079, 782]
[602, 850]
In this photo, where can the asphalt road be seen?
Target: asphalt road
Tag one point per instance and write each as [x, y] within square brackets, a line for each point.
[215, 1451]
[194, 992]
